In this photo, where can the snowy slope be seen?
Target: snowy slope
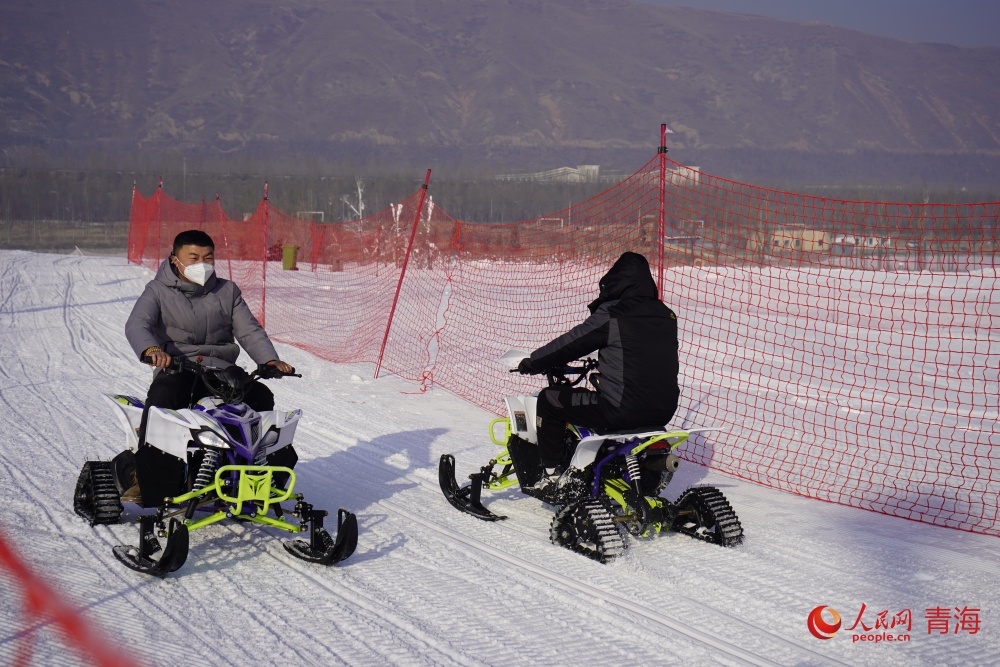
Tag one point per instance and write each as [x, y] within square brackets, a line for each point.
[428, 585]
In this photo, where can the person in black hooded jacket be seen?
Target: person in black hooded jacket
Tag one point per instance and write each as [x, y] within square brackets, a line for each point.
[635, 335]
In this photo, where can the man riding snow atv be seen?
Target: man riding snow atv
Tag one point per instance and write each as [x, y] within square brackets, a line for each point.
[188, 311]
[611, 446]
[636, 338]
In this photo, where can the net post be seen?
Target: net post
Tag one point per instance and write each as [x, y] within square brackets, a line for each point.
[263, 280]
[316, 234]
[134, 252]
[402, 272]
[660, 228]
[159, 224]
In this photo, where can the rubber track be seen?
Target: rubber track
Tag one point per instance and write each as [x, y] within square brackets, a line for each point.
[599, 525]
[96, 498]
[710, 504]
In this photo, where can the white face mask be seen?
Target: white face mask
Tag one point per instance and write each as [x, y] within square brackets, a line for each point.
[197, 273]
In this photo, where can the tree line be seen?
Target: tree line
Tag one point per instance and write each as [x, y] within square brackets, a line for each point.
[36, 194]
[106, 195]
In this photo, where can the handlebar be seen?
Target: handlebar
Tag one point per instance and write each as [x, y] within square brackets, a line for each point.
[268, 372]
[229, 383]
[559, 375]
[182, 365]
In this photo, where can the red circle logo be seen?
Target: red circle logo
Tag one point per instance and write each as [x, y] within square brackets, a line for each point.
[819, 628]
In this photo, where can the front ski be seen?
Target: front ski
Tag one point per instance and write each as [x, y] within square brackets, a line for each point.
[467, 498]
[321, 547]
[140, 558]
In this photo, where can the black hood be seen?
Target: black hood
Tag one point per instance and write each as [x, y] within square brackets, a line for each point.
[629, 277]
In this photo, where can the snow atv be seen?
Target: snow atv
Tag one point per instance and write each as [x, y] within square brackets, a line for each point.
[216, 460]
[611, 487]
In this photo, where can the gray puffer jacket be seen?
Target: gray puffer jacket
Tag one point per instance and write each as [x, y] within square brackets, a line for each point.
[196, 320]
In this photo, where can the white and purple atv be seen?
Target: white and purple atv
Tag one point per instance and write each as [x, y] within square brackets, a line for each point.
[611, 487]
[217, 460]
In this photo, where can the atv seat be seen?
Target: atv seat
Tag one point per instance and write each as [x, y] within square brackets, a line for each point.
[588, 448]
[630, 431]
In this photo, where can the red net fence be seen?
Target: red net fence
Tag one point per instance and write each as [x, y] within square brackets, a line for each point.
[849, 350]
[43, 608]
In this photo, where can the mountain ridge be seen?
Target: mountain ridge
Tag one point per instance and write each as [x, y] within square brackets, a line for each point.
[504, 82]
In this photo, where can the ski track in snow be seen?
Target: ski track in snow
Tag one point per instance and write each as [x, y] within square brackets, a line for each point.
[427, 585]
[531, 575]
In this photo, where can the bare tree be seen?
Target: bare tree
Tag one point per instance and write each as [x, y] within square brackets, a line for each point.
[357, 208]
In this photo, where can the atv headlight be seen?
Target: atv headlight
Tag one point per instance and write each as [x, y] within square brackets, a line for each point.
[211, 439]
[270, 438]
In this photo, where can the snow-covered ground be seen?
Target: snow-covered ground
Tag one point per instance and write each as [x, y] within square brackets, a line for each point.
[428, 585]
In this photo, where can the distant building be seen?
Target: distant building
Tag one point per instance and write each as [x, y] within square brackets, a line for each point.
[856, 244]
[684, 176]
[591, 173]
[788, 239]
[585, 173]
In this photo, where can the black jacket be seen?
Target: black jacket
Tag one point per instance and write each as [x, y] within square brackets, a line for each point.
[636, 336]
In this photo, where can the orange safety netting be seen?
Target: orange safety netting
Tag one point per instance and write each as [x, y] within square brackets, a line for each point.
[41, 607]
[847, 349]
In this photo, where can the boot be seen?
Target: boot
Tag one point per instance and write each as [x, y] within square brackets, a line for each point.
[547, 486]
[132, 494]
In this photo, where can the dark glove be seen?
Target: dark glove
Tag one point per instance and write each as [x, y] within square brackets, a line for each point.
[525, 368]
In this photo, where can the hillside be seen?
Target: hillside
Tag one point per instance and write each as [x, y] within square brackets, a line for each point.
[510, 83]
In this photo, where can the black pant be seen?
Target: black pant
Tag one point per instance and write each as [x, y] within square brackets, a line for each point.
[174, 392]
[556, 406]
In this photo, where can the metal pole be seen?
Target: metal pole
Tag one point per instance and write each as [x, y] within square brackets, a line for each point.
[133, 232]
[402, 273]
[159, 223]
[661, 228]
[263, 281]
